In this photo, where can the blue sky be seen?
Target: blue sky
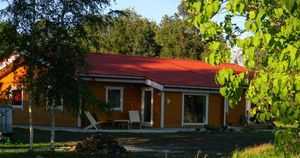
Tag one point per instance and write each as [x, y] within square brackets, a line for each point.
[151, 9]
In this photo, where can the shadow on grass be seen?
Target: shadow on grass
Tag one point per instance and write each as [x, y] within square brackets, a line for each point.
[46, 154]
[182, 144]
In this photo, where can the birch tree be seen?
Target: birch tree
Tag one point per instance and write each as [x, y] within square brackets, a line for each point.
[49, 44]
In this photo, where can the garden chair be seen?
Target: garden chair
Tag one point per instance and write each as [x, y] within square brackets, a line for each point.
[94, 123]
[134, 118]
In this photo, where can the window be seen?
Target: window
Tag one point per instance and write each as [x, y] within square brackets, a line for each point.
[58, 104]
[114, 97]
[194, 109]
[17, 98]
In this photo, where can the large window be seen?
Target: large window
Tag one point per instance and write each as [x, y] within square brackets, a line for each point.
[114, 97]
[17, 98]
[194, 109]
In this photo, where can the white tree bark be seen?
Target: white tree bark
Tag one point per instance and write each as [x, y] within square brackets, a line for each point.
[30, 122]
[52, 139]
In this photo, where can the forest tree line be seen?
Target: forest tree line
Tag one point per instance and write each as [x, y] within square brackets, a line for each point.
[126, 32]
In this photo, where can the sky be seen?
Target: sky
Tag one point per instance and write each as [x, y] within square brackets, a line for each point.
[151, 9]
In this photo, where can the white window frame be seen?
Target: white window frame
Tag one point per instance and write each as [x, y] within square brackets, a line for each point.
[206, 108]
[121, 96]
[22, 95]
[143, 107]
[57, 107]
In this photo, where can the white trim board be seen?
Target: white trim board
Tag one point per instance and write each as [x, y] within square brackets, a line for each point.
[191, 90]
[143, 106]
[111, 76]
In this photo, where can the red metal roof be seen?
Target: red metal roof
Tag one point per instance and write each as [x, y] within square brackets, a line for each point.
[175, 72]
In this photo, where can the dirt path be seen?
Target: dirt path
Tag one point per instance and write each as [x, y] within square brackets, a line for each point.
[192, 142]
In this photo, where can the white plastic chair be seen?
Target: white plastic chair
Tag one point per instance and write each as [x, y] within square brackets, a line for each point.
[134, 117]
[94, 123]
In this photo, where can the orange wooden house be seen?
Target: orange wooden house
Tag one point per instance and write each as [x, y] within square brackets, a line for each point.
[168, 93]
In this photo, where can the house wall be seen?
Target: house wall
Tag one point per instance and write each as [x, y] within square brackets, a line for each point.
[173, 110]
[131, 101]
[215, 110]
[235, 115]
[40, 115]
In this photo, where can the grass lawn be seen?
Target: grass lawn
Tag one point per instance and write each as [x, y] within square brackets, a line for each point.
[261, 151]
[183, 144]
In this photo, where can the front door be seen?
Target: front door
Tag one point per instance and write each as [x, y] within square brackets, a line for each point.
[147, 106]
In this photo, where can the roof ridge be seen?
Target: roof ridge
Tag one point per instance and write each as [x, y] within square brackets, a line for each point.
[155, 57]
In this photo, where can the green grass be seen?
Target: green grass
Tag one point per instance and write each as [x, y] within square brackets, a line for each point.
[35, 145]
[261, 151]
[26, 154]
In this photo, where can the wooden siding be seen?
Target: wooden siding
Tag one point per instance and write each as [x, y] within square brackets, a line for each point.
[40, 115]
[236, 114]
[215, 110]
[173, 110]
[131, 99]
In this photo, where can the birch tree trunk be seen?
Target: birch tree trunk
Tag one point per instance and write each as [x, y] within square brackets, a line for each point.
[30, 84]
[30, 122]
[52, 138]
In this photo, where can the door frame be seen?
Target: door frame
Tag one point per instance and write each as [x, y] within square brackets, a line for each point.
[143, 105]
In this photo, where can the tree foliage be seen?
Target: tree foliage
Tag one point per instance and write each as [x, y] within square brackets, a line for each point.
[178, 38]
[9, 38]
[129, 33]
[49, 32]
[126, 33]
[271, 54]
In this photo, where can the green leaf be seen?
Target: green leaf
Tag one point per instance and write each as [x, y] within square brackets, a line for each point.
[297, 98]
[292, 54]
[278, 12]
[282, 109]
[297, 83]
[253, 27]
[252, 15]
[267, 38]
[262, 117]
[247, 25]
[275, 87]
[223, 91]
[256, 41]
[283, 93]
[221, 79]
[251, 64]
[289, 4]
[211, 59]
[214, 46]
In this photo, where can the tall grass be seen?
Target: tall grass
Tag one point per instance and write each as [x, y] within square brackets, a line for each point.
[261, 151]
